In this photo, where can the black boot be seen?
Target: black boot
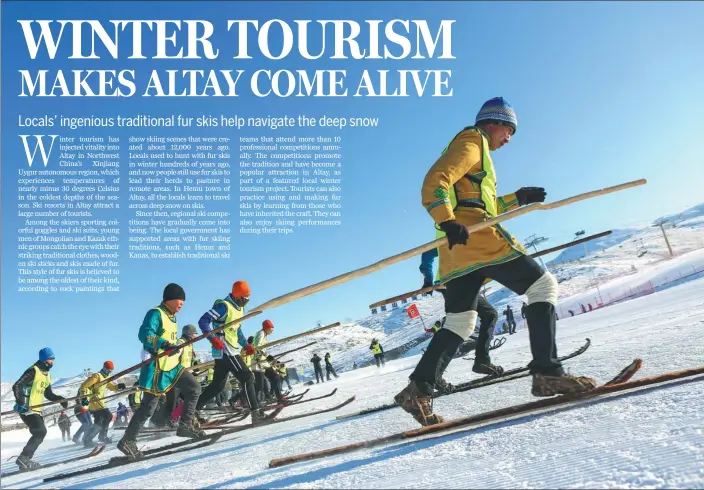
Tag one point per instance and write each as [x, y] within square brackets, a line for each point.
[442, 347]
[26, 464]
[541, 330]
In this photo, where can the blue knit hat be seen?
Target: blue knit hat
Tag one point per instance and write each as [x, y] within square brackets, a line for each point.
[45, 354]
[498, 109]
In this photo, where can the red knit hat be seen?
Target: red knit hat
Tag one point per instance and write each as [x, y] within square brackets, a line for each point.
[109, 365]
[240, 289]
[268, 325]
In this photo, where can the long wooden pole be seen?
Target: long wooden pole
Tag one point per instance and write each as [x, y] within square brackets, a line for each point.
[535, 255]
[300, 293]
[307, 291]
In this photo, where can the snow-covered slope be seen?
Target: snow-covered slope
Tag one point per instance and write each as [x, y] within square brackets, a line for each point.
[651, 438]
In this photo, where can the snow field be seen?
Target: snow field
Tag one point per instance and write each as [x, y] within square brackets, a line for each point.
[643, 439]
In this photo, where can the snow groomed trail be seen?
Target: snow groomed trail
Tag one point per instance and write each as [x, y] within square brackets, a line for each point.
[644, 439]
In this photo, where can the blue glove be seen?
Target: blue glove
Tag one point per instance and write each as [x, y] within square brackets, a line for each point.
[85, 402]
[21, 409]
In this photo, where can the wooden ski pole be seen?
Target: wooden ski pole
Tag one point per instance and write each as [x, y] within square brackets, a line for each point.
[428, 289]
[300, 293]
[278, 356]
[307, 291]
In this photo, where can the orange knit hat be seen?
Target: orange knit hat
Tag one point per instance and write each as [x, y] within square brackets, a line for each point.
[267, 325]
[240, 289]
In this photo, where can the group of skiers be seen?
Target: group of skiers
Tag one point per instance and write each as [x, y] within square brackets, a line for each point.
[459, 191]
[164, 384]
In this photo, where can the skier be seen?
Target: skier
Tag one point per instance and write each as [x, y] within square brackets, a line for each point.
[226, 345]
[492, 253]
[158, 334]
[265, 362]
[162, 416]
[93, 399]
[65, 426]
[354, 365]
[283, 372]
[523, 310]
[508, 313]
[84, 419]
[316, 360]
[378, 351]
[121, 414]
[30, 390]
[328, 366]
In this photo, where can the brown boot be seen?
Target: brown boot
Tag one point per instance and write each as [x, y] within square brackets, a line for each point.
[561, 385]
[415, 401]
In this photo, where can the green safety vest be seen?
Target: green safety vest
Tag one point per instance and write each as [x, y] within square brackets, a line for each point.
[231, 315]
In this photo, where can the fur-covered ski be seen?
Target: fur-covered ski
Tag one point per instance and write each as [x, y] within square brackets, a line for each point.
[509, 375]
[94, 452]
[153, 453]
[621, 382]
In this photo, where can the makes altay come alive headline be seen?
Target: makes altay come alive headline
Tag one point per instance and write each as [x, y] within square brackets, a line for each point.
[246, 40]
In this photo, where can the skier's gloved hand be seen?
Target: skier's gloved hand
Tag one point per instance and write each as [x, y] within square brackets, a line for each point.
[85, 402]
[64, 404]
[217, 343]
[457, 233]
[249, 350]
[121, 386]
[20, 408]
[528, 195]
[169, 348]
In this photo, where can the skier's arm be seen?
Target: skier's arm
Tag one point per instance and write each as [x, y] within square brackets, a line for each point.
[25, 380]
[215, 313]
[149, 332]
[241, 339]
[507, 203]
[463, 156]
[53, 397]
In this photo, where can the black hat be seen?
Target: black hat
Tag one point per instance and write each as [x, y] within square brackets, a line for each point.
[174, 291]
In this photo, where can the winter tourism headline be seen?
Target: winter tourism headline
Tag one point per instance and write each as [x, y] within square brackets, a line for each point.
[274, 40]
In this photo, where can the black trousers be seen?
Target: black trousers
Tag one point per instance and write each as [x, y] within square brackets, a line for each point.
[379, 358]
[329, 369]
[462, 294]
[189, 387]
[101, 422]
[236, 366]
[273, 381]
[35, 422]
[65, 432]
[319, 374]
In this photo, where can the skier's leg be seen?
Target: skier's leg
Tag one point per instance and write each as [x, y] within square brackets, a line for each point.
[36, 426]
[217, 384]
[188, 386]
[525, 276]
[487, 319]
[272, 376]
[246, 379]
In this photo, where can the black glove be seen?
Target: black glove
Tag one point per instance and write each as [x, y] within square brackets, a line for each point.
[527, 195]
[121, 386]
[457, 233]
[64, 404]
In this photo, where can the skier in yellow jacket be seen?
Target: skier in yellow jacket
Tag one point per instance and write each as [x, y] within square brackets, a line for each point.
[466, 262]
[93, 399]
[30, 390]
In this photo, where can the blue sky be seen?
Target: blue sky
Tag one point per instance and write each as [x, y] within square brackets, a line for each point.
[604, 92]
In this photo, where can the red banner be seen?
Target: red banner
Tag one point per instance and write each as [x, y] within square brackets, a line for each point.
[413, 311]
